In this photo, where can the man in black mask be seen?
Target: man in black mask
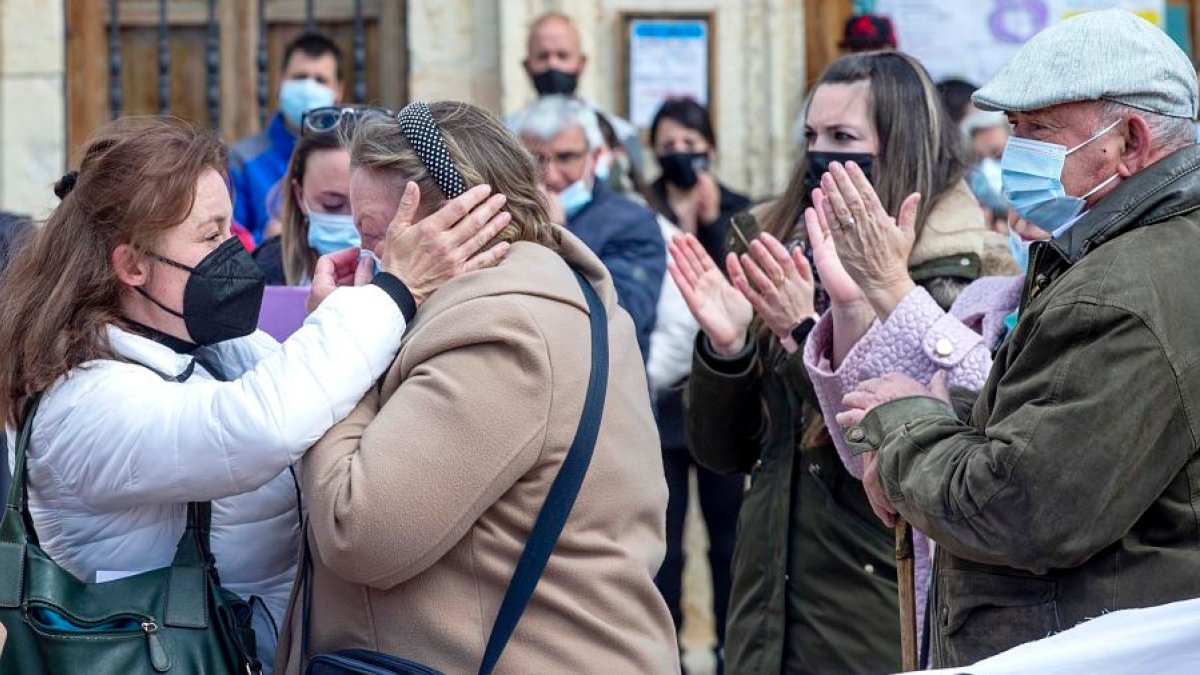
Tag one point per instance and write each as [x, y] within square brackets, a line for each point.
[554, 61]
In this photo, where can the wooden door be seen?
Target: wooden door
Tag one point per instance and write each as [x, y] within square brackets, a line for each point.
[824, 21]
[216, 63]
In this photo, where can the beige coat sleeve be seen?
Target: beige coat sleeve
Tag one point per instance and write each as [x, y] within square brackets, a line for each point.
[390, 490]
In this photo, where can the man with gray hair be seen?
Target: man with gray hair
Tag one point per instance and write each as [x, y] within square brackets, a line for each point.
[564, 137]
[1071, 487]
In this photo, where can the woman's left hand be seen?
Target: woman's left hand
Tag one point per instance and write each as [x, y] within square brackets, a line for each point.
[778, 284]
[873, 246]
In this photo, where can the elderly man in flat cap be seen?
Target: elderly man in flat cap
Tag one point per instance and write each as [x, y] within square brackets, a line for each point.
[1072, 486]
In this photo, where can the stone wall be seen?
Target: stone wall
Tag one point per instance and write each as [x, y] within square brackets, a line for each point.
[32, 104]
[466, 49]
[472, 50]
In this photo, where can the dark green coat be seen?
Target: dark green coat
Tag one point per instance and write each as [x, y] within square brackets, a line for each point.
[1074, 487]
[814, 575]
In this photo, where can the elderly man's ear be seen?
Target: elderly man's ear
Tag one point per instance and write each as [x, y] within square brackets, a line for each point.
[1137, 150]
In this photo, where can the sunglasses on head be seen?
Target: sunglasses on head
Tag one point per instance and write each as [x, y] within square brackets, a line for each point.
[328, 119]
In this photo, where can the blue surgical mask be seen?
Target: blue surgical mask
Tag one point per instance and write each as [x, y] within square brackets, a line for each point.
[603, 166]
[297, 97]
[989, 168]
[1031, 175]
[329, 232]
[576, 196]
[1019, 248]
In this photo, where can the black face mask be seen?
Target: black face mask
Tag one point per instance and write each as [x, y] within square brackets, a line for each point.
[818, 164]
[223, 296]
[681, 169]
[555, 82]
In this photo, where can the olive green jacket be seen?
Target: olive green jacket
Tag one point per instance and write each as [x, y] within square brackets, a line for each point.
[1073, 488]
[814, 574]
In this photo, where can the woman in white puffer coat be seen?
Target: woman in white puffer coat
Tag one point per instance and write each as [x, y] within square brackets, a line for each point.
[132, 314]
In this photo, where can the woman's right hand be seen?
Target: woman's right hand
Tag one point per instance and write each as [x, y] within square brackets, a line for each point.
[722, 311]
[852, 313]
[448, 243]
[873, 245]
[334, 270]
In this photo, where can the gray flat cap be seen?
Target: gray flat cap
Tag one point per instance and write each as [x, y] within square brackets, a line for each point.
[1110, 54]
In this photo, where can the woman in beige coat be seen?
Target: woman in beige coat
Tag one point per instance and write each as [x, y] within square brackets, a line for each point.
[421, 501]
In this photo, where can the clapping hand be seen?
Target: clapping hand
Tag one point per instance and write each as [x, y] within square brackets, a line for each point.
[779, 285]
[873, 246]
[836, 281]
[722, 312]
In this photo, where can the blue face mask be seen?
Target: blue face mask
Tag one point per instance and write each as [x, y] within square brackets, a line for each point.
[603, 167]
[1019, 248]
[989, 168]
[329, 232]
[576, 196]
[297, 97]
[1031, 175]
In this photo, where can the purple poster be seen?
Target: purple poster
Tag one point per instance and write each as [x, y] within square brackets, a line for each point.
[283, 310]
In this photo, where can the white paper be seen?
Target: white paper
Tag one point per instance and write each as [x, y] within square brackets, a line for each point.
[667, 59]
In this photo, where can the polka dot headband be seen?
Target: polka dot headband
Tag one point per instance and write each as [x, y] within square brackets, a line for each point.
[418, 127]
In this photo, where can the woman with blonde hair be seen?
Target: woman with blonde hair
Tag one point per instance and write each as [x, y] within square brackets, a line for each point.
[422, 501]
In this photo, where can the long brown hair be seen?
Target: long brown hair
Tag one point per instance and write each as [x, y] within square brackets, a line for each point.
[137, 180]
[482, 150]
[299, 260]
[919, 146]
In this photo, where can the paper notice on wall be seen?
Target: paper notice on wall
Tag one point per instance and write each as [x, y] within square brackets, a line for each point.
[668, 58]
[973, 40]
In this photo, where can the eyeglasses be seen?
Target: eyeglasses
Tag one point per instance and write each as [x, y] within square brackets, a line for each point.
[562, 159]
[328, 119]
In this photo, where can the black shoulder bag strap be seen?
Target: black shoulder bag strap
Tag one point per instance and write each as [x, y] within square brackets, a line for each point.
[561, 498]
[555, 510]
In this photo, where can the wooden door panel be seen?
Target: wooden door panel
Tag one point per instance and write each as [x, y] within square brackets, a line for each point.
[188, 77]
[234, 46]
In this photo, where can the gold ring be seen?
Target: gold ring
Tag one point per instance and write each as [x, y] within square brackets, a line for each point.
[778, 281]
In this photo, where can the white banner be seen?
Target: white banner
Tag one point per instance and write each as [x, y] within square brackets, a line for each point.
[972, 40]
[1162, 640]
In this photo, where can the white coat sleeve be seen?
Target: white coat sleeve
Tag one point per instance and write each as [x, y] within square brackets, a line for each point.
[672, 341]
[123, 436]
[675, 330]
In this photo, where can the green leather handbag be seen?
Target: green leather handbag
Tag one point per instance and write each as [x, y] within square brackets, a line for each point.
[175, 619]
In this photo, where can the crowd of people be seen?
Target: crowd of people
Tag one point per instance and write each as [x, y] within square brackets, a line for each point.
[967, 312]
